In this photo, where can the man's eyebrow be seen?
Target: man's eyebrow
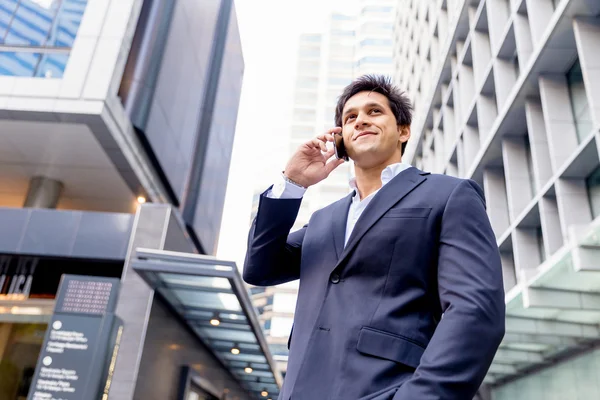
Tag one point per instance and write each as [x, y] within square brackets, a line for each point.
[348, 111]
[371, 104]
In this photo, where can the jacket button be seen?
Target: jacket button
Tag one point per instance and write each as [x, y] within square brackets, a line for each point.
[335, 278]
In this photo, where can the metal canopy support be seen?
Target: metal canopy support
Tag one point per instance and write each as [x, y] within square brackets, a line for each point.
[210, 296]
[560, 299]
[509, 356]
[549, 327]
[501, 369]
[546, 340]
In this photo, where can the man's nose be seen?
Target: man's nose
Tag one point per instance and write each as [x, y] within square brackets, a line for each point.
[362, 120]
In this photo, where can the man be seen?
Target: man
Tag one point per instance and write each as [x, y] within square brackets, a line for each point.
[401, 293]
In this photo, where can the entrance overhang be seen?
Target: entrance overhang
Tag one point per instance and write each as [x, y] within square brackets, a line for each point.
[554, 311]
[210, 296]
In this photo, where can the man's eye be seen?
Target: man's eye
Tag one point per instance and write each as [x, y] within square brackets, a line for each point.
[375, 110]
[349, 117]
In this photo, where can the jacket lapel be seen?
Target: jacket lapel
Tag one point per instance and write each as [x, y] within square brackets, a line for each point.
[385, 199]
[339, 215]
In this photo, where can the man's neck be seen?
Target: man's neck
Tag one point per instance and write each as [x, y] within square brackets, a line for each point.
[368, 180]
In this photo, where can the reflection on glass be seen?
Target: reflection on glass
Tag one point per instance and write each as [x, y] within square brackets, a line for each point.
[30, 23]
[7, 9]
[19, 64]
[47, 24]
[216, 301]
[227, 334]
[67, 23]
[52, 66]
[579, 103]
[196, 281]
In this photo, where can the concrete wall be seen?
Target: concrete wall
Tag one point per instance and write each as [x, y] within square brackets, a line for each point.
[169, 346]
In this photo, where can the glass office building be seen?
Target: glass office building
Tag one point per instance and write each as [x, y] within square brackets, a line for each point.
[507, 94]
[117, 120]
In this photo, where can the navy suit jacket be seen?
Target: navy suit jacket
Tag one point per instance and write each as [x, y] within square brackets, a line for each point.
[412, 308]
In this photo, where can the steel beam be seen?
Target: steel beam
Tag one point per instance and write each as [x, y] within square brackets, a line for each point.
[560, 299]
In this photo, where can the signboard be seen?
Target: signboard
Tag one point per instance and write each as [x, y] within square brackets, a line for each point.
[16, 276]
[81, 342]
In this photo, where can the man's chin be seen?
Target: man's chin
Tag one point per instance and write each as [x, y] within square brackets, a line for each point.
[364, 158]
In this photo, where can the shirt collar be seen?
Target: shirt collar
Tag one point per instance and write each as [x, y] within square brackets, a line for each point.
[389, 173]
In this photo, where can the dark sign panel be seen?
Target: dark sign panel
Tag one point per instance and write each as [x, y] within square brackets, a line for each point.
[80, 344]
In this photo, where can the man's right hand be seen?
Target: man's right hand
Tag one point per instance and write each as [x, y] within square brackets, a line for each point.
[309, 165]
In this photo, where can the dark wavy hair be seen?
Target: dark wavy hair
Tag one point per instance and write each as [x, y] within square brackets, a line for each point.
[398, 100]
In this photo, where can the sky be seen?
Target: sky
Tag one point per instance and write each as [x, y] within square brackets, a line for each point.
[269, 31]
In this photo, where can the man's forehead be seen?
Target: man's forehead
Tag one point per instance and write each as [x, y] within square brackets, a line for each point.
[363, 98]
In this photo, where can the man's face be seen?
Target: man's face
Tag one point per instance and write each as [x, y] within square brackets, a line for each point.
[371, 133]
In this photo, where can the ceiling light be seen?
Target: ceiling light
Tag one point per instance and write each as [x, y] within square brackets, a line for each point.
[235, 350]
[264, 393]
[248, 370]
[141, 199]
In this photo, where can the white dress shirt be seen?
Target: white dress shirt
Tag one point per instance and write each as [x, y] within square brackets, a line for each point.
[282, 189]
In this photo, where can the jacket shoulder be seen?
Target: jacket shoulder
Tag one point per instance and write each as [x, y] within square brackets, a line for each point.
[449, 183]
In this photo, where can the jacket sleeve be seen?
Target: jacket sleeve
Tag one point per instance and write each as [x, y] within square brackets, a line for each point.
[471, 294]
[273, 255]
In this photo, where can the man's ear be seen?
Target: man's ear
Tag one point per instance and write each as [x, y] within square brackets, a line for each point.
[403, 133]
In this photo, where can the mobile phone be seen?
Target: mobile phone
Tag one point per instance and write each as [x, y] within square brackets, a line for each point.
[338, 146]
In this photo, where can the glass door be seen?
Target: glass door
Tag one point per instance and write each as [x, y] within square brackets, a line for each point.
[20, 346]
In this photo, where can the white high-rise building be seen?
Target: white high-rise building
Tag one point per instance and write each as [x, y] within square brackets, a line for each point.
[350, 44]
[507, 93]
[374, 37]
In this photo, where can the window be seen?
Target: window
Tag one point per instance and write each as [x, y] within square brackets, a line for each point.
[304, 82]
[377, 9]
[50, 26]
[341, 51]
[332, 97]
[305, 115]
[376, 42]
[306, 98]
[579, 103]
[377, 27]
[339, 81]
[311, 38]
[267, 325]
[342, 17]
[308, 67]
[339, 32]
[338, 64]
[375, 60]
[593, 187]
[310, 52]
[301, 132]
[329, 114]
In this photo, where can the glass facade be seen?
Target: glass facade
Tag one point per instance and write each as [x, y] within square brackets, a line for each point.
[36, 36]
[579, 102]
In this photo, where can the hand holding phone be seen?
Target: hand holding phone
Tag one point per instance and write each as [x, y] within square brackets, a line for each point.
[340, 149]
[312, 162]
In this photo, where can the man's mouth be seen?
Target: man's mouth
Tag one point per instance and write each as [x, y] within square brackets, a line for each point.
[365, 133]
